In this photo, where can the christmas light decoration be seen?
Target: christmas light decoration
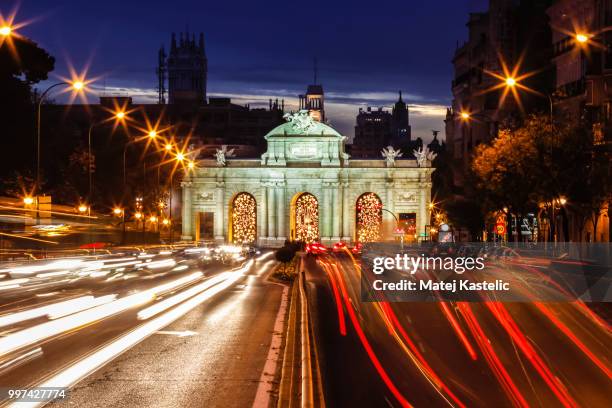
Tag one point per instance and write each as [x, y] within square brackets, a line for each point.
[244, 219]
[369, 218]
[306, 218]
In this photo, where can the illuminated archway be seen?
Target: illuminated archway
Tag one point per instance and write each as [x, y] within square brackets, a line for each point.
[369, 217]
[305, 219]
[243, 219]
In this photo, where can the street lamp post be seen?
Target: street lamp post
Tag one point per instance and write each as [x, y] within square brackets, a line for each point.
[397, 225]
[77, 86]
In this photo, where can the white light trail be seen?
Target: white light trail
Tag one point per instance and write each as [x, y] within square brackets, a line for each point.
[178, 298]
[31, 335]
[61, 312]
[73, 374]
[13, 282]
[52, 274]
[165, 263]
[264, 256]
[19, 317]
[30, 270]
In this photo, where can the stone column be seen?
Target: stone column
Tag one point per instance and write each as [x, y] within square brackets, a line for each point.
[271, 213]
[422, 219]
[336, 213]
[187, 216]
[219, 212]
[346, 213]
[388, 204]
[262, 220]
[281, 231]
[325, 213]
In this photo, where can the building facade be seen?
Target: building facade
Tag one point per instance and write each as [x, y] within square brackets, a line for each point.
[583, 83]
[372, 132]
[510, 34]
[379, 128]
[305, 188]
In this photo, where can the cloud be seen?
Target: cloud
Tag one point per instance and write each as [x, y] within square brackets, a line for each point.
[341, 108]
[373, 96]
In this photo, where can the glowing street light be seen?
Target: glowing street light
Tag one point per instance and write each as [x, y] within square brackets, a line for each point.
[191, 165]
[582, 38]
[78, 85]
[28, 200]
[180, 156]
[465, 115]
[138, 215]
[168, 147]
[510, 81]
[153, 219]
[117, 211]
[166, 221]
[152, 134]
[120, 115]
[6, 30]
[562, 200]
[82, 208]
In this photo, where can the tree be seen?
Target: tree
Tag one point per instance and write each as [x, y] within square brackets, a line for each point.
[538, 163]
[507, 170]
[22, 64]
[284, 255]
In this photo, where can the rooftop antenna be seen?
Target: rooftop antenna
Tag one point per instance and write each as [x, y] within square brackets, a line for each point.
[315, 70]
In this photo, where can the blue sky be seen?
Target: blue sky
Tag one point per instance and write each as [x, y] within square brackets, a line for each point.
[366, 50]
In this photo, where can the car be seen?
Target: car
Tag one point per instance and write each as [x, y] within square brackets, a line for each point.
[339, 246]
[315, 248]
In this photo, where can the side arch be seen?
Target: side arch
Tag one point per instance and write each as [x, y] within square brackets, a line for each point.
[243, 219]
[304, 224]
[368, 217]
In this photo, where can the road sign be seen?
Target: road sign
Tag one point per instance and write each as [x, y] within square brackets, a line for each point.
[500, 229]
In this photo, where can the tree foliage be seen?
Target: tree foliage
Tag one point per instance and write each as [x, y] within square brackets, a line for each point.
[538, 163]
[22, 64]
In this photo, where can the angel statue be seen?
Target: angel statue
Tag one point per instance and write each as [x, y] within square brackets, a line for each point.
[424, 156]
[222, 154]
[300, 120]
[389, 153]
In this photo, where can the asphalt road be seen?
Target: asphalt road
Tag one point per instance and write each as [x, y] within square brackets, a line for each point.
[434, 354]
[202, 339]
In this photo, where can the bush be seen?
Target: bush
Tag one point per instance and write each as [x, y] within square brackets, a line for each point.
[287, 269]
[284, 254]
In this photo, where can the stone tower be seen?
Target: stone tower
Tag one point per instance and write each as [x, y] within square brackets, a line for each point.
[400, 122]
[313, 102]
[187, 69]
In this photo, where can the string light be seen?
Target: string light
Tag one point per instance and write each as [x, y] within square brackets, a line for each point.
[306, 218]
[244, 219]
[369, 218]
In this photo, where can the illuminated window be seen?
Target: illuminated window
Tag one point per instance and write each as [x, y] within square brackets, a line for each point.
[244, 219]
[369, 218]
[306, 218]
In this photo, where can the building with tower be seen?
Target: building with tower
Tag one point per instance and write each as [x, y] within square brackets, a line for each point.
[378, 128]
[400, 123]
[313, 102]
[187, 70]
[372, 132]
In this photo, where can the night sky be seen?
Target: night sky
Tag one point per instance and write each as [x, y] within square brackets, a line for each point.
[366, 50]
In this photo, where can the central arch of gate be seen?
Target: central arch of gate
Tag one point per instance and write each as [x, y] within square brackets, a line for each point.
[305, 187]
